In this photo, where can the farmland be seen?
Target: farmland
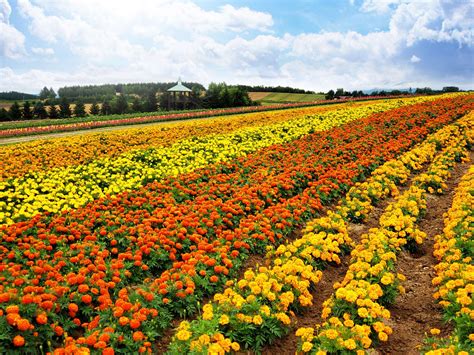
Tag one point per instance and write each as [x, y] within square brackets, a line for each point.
[270, 98]
[289, 230]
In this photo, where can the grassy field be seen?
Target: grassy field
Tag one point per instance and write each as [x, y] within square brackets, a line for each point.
[270, 98]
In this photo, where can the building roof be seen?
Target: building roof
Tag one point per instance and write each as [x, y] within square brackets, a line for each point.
[179, 87]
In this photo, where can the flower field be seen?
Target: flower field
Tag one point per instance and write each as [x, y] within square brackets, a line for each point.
[109, 241]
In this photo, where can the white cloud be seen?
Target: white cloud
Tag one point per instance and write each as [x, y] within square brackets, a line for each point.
[43, 51]
[148, 40]
[379, 6]
[12, 41]
[415, 59]
[5, 11]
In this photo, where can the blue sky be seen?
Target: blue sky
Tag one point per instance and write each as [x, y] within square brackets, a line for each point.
[317, 45]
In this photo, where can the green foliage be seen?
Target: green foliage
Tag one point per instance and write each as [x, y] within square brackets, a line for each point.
[39, 111]
[15, 111]
[95, 109]
[4, 115]
[80, 110]
[27, 113]
[53, 112]
[64, 108]
[106, 109]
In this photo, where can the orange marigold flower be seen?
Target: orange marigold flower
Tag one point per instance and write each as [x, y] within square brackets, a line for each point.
[18, 341]
[23, 324]
[42, 318]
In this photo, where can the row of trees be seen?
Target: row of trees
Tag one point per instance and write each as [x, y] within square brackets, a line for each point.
[285, 89]
[88, 93]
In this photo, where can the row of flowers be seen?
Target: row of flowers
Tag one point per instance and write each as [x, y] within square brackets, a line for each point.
[258, 308]
[77, 268]
[44, 154]
[170, 117]
[356, 314]
[59, 189]
[454, 273]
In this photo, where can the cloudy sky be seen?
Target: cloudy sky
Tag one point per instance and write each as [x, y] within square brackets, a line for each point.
[316, 45]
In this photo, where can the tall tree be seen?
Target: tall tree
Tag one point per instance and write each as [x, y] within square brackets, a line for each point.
[15, 111]
[64, 108]
[151, 103]
[136, 104]
[80, 109]
[121, 106]
[53, 112]
[330, 95]
[4, 115]
[106, 109]
[52, 94]
[27, 114]
[39, 111]
[94, 110]
[44, 93]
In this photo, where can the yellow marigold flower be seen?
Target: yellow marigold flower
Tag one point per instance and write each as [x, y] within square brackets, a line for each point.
[204, 339]
[349, 323]
[350, 344]
[435, 331]
[183, 335]
[332, 333]
[383, 336]
[224, 319]
[257, 320]
[362, 312]
[386, 279]
[307, 346]
[471, 337]
[235, 346]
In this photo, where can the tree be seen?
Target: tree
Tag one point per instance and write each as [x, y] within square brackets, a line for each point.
[450, 89]
[121, 106]
[44, 93]
[151, 103]
[4, 115]
[339, 92]
[136, 104]
[53, 112]
[95, 110]
[106, 109]
[52, 94]
[330, 95]
[39, 111]
[164, 101]
[79, 109]
[15, 112]
[27, 114]
[225, 100]
[64, 108]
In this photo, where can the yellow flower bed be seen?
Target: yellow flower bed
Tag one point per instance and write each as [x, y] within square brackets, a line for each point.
[454, 279]
[63, 188]
[354, 315]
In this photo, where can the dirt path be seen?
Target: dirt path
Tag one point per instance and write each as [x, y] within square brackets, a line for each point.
[416, 312]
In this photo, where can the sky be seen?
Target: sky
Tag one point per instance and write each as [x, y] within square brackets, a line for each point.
[315, 45]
